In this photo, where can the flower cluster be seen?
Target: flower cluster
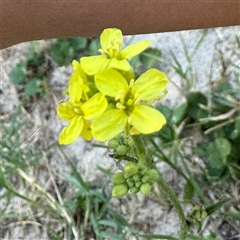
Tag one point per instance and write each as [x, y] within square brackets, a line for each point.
[134, 178]
[106, 99]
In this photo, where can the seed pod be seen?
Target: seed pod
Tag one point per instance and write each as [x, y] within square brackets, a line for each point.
[145, 188]
[120, 190]
[118, 178]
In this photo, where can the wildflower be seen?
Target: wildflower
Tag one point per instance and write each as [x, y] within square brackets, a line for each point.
[131, 113]
[112, 56]
[78, 115]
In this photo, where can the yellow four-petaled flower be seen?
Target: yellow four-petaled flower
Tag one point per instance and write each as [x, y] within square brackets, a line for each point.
[131, 113]
[104, 98]
[112, 56]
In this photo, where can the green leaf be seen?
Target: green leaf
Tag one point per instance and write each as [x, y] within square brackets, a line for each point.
[216, 206]
[108, 223]
[193, 101]
[167, 133]
[110, 235]
[166, 111]
[34, 57]
[188, 191]
[234, 215]
[78, 43]
[77, 183]
[150, 57]
[32, 87]
[157, 236]
[37, 60]
[61, 52]
[217, 174]
[95, 224]
[93, 47]
[18, 74]
[219, 150]
[179, 114]
[202, 149]
[134, 60]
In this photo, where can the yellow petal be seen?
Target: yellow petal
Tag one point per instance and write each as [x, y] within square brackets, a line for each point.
[86, 131]
[65, 110]
[111, 38]
[95, 106]
[146, 119]
[109, 82]
[93, 64]
[134, 49]
[109, 124]
[150, 84]
[78, 68]
[75, 87]
[71, 132]
[119, 64]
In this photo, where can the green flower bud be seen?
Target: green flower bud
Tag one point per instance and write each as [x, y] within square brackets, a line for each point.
[130, 169]
[137, 177]
[134, 189]
[113, 143]
[197, 215]
[145, 188]
[121, 149]
[204, 215]
[130, 183]
[138, 183]
[130, 142]
[120, 190]
[145, 178]
[118, 178]
[152, 173]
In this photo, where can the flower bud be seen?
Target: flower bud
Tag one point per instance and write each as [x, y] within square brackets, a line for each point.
[121, 149]
[130, 169]
[138, 183]
[118, 178]
[130, 142]
[137, 177]
[120, 190]
[113, 143]
[145, 188]
[134, 189]
[152, 173]
[130, 183]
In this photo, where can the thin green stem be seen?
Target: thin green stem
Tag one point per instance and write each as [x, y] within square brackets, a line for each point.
[176, 204]
[144, 158]
[141, 153]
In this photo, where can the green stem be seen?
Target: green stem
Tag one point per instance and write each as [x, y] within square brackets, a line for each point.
[141, 153]
[144, 158]
[173, 198]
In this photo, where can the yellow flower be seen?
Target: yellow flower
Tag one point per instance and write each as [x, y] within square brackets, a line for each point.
[112, 56]
[131, 113]
[78, 116]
